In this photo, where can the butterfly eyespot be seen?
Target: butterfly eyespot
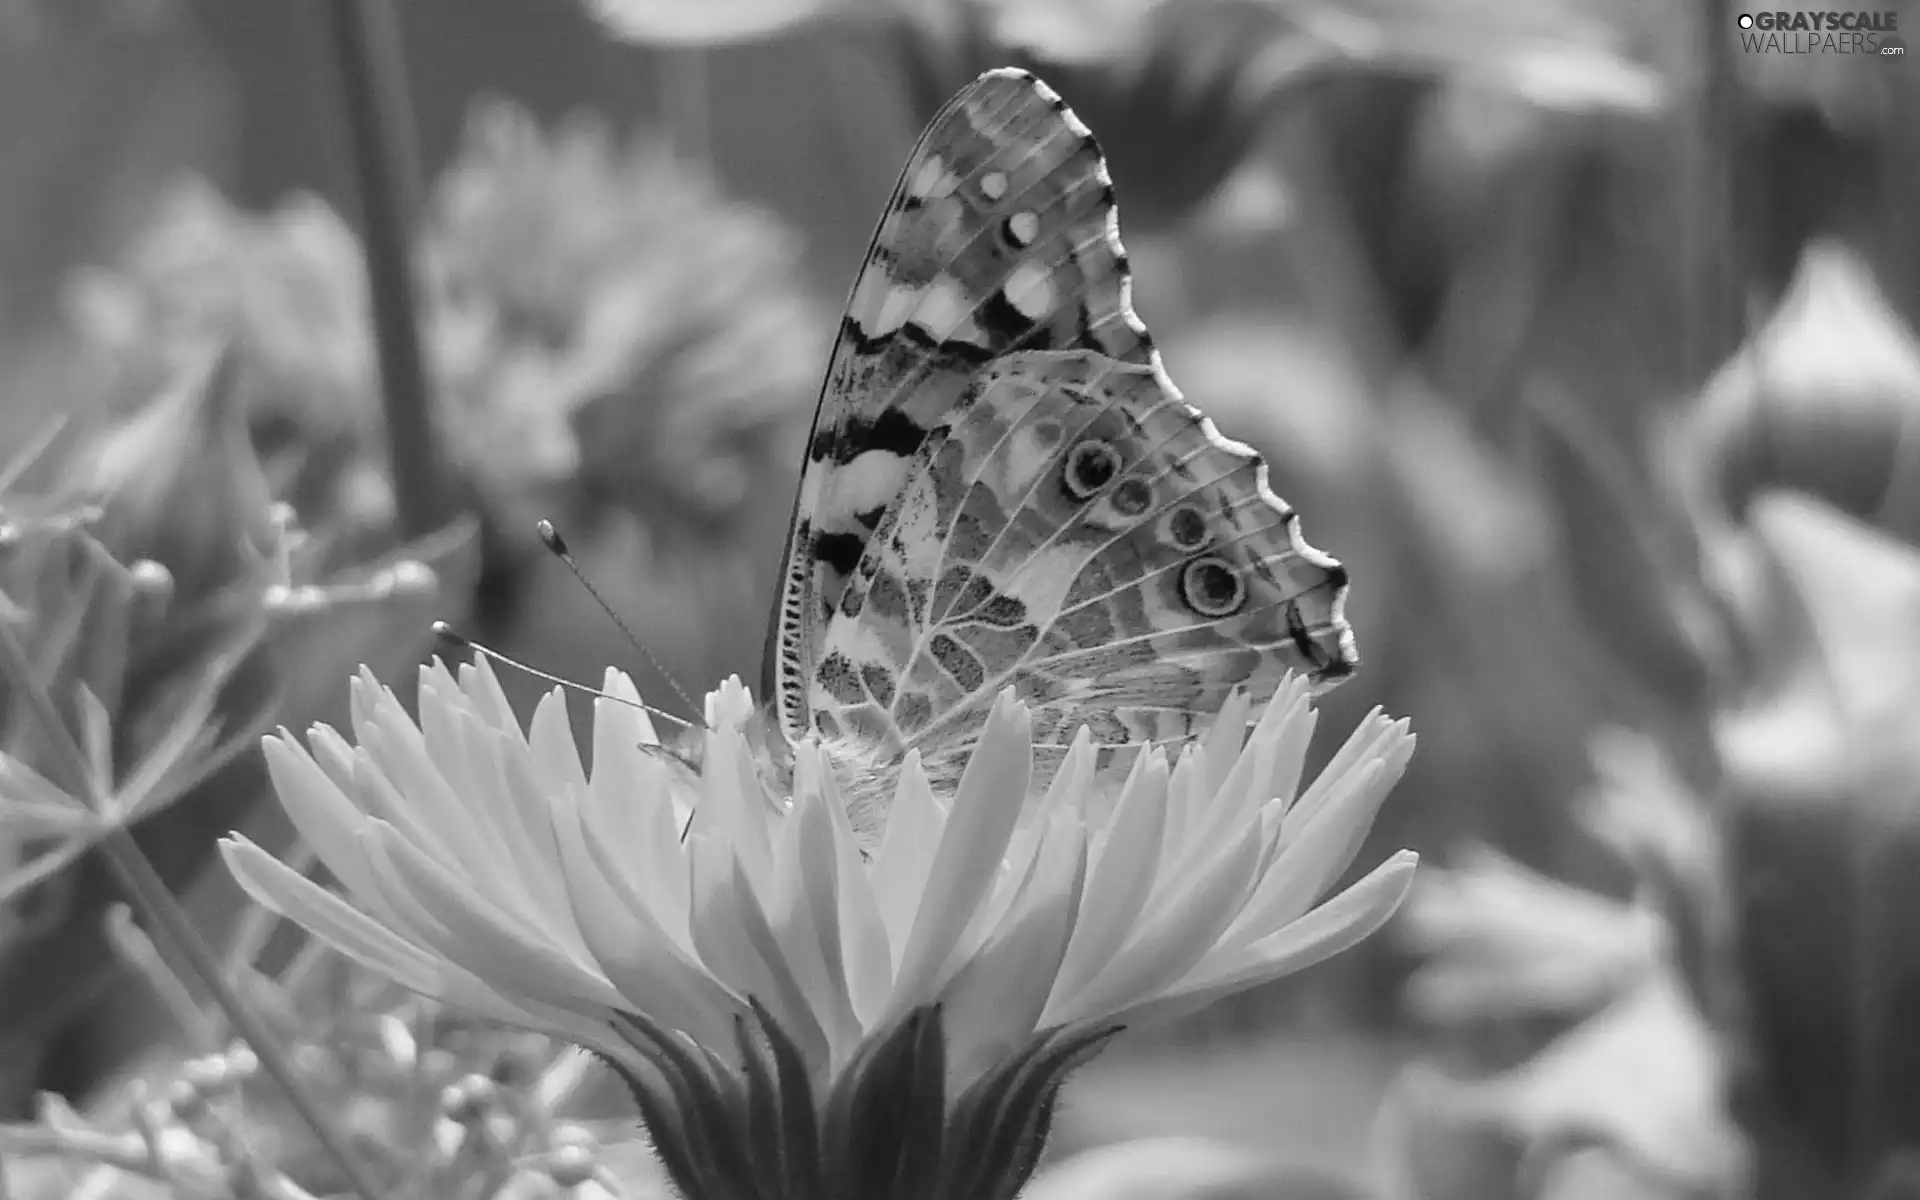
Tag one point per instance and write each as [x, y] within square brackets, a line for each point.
[1212, 588]
[1090, 466]
[1020, 229]
[1132, 497]
[1187, 528]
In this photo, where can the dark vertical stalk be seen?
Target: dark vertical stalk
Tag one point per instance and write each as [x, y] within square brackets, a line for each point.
[1715, 308]
[386, 168]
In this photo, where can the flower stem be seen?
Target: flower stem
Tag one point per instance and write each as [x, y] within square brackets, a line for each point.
[386, 167]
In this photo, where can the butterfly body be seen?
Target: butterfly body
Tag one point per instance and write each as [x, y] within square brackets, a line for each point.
[1003, 488]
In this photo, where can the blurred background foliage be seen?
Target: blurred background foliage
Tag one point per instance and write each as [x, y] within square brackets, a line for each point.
[1585, 338]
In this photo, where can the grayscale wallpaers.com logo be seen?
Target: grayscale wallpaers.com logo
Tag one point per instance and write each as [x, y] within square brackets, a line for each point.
[1869, 33]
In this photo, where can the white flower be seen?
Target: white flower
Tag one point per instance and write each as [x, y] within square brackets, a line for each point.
[987, 946]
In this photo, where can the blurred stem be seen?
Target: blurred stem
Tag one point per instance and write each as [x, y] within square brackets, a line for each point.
[386, 167]
[149, 894]
[685, 100]
[1714, 311]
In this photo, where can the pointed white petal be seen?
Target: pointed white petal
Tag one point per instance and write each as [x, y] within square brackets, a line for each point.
[1375, 737]
[1187, 797]
[556, 756]
[809, 937]
[732, 933]
[915, 824]
[1066, 794]
[867, 958]
[626, 721]
[1294, 738]
[485, 697]
[993, 790]
[282, 890]
[500, 944]
[1315, 849]
[1220, 745]
[992, 1006]
[1176, 932]
[324, 816]
[333, 754]
[732, 806]
[1123, 874]
[1340, 923]
[655, 974]
[819, 901]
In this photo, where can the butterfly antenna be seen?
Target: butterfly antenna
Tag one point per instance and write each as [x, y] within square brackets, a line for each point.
[453, 637]
[557, 545]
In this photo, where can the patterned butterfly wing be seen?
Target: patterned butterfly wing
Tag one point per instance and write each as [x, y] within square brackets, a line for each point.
[1004, 487]
[999, 237]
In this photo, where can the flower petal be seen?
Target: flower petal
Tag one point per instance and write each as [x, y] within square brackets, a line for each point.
[515, 948]
[915, 824]
[550, 741]
[1316, 846]
[654, 973]
[1220, 746]
[993, 790]
[282, 890]
[319, 810]
[732, 807]
[1177, 930]
[993, 1005]
[731, 931]
[1374, 737]
[1066, 794]
[1340, 923]
[1123, 874]
[867, 957]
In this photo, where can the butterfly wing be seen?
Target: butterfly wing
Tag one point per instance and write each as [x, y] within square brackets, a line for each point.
[999, 237]
[1004, 487]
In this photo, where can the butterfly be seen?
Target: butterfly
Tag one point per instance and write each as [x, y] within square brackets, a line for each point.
[1003, 487]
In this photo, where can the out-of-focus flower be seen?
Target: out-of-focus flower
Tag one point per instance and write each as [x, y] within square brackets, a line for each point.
[1824, 399]
[1502, 941]
[606, 329]
[1642, 809]
[1571, 1049]
[158, 608]
[610, 328]
[1641, 1084]
[1820, 750]
[286, 289]
[283, 294]
[795, 1019]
